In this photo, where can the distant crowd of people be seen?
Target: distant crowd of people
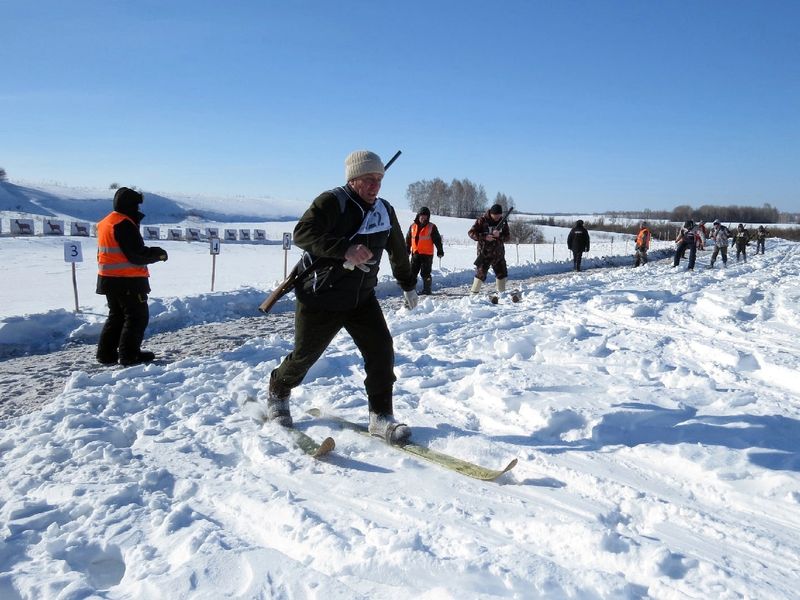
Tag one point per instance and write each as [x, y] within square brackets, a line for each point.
[692, 237]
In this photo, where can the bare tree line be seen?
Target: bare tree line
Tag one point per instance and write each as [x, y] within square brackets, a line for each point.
[460, 198]
[464, 199]
[710, 212]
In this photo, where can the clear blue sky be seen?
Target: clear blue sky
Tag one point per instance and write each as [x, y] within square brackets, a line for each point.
[563, 105]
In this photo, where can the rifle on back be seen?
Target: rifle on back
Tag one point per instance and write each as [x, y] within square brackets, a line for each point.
[501, 223]
[493, 228]
[299, 271]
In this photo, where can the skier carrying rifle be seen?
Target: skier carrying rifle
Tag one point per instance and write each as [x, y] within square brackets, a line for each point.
[344, 233]
[491, 232]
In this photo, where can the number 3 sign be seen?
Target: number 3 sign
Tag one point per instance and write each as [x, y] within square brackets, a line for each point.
[73, 252]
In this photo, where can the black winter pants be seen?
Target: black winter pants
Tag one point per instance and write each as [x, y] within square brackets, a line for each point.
[423, 264]
[498, 266]
[314, 329]
[576, 259]
[123, 331]
[688, 245]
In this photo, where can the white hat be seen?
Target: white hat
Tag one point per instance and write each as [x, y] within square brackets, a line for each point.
[360, 163]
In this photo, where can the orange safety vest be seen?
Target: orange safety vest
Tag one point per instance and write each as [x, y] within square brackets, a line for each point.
[423, 245]
[111, 261]
[643, 239]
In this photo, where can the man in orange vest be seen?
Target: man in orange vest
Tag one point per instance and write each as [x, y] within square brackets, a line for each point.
[422, 236]
[123, 278]
[642, 244]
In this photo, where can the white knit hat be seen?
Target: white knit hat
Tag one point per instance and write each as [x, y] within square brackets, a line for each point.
[360, 163]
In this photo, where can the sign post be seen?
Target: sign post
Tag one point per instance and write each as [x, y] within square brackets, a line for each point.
[73, 253]
[287, 245]
[214, 248]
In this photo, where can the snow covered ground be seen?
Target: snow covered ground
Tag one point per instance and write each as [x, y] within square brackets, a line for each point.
[654, 413]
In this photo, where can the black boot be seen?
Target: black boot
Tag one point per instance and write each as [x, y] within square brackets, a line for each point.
[137, 359]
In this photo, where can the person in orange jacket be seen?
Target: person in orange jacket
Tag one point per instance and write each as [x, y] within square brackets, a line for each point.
[642, 245]
[123, 277]
[421, 238]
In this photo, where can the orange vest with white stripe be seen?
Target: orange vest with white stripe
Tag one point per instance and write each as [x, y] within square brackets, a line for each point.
[423, 245]
[111, 261]
[643, 239]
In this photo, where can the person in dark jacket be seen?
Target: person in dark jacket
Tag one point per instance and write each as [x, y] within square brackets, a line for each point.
[686, 240]
[123, 278]
[741, 238]
[761, 239]
[578, 243]
[421, 239]
[346, 230]
[491, 248]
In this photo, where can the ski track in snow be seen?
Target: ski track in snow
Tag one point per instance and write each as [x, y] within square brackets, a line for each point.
[646, 417]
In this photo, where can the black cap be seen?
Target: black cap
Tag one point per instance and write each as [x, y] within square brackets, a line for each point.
[127, 200]
[424, 211]
[496, 209]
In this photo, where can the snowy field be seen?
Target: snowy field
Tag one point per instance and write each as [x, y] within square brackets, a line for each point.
[654, 413]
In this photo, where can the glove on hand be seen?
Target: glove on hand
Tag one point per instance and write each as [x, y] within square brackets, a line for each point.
[440, 255]
[160, 253]
[411, 298]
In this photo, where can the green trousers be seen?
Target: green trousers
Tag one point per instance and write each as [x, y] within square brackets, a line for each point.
[314, 329]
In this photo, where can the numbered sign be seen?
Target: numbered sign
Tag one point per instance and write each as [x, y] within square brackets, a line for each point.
[287, 241]
[73, 253]
[214, 245]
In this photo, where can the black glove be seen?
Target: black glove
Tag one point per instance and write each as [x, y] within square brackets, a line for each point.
[440, 254]
[159, 253]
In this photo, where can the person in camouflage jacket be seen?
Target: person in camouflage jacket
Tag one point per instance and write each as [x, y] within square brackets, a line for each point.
[741, 238]
[491, 248]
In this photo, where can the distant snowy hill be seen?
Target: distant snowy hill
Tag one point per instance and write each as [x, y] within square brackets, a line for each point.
[92, 204]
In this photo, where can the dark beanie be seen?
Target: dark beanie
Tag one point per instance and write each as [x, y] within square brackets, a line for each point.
[496, 209]
[127, 195]
[424, 211]
[127, 200]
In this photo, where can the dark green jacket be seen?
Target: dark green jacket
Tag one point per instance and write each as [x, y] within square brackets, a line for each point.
[325, 231]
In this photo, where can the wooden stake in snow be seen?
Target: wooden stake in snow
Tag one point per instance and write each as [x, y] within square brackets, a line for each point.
[73, 253]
